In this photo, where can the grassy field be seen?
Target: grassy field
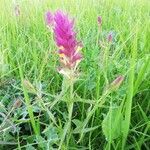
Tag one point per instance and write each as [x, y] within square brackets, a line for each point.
[42, 109]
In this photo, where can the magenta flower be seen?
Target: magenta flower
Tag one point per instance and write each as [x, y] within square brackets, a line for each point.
[66, 41]
[49, 18]
[99, 20]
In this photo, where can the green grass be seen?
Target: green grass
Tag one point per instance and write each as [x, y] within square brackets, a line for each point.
[56, 115]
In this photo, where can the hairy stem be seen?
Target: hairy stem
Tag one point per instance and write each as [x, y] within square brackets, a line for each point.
[67, 127]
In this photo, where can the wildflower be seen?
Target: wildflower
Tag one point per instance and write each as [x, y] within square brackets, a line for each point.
[48, 18]
[65, 38]
[110, 37]
[99, 20]
[116, 83]
[17, 10]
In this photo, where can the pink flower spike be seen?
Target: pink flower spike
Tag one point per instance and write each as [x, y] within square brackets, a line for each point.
[99, 20]
[110, 37]
[65, 38]
[49, 18]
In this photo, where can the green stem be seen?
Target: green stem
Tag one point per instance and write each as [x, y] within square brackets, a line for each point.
[28, 103]
[105, 68]
[98, 34]
[128, 105]
[67, 127]
[99, 103]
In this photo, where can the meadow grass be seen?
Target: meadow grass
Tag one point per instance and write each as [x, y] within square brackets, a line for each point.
[39, 110]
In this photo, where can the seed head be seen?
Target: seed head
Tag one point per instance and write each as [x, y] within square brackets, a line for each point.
[116, 83]
[17, 10]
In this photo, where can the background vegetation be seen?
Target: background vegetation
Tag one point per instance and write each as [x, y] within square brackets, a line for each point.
[30, 84]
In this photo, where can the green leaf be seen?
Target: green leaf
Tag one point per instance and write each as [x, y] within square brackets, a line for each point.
[51, 134]
[79, 126]
[41, 142]
[77, 122]
[112, 124]
[30, 139]
[30, 147]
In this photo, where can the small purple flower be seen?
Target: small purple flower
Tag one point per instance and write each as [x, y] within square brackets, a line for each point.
[49, 18]
[65, 38]
[17, 10]
[99, 20]
[110, 37]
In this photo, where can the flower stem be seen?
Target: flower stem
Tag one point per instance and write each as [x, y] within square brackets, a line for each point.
[67, 126]
[99, 103]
